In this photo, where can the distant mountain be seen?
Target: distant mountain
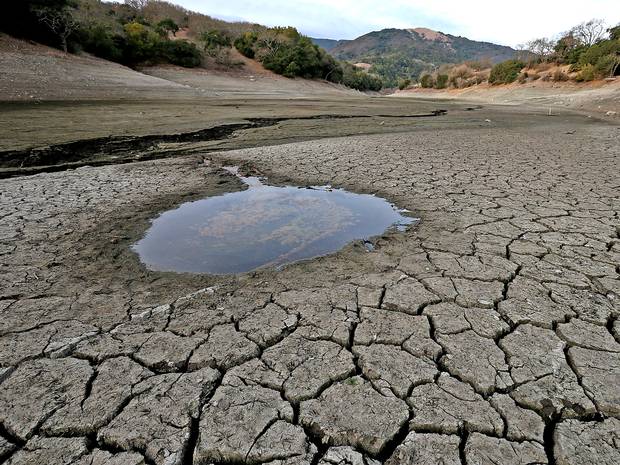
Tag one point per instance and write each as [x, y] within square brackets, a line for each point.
[328, 44]
[406, 53]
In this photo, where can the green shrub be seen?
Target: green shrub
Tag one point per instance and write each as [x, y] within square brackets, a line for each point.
[441, 82]
[101, 42]
[427, 81]
[506, 72]
[165, 26]
[404, 83]
[360, 80]
[606, 65]
[593, 54]
[588, 73]
[181, 53]
[215, 39]
[245, 44]
[285, 51]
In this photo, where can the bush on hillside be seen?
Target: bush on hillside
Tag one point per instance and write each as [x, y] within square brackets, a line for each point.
[441, 82]
[506, 72]
[404, 83]
[245, 44]
[587, 74]
[427, 81]
[165, 26]
[181, 53]
[285, 51]
[361, 80]
[214, 40]
[100, 41]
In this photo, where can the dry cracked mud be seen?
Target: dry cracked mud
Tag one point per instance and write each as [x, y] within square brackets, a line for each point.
[487, 334]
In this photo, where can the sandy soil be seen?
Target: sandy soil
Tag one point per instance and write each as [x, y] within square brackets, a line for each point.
[596, 98]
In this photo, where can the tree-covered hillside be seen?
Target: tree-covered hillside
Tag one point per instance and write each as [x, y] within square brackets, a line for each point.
[406, 53]
[144, 32]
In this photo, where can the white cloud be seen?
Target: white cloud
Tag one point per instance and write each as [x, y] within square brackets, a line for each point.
[508, 23]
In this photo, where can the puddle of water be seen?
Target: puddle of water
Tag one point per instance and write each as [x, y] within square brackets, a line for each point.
[263, 226]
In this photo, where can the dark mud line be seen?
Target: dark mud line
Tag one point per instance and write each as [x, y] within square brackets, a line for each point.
[127, 149]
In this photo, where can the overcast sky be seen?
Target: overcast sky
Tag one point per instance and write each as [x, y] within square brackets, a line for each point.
[498, 21]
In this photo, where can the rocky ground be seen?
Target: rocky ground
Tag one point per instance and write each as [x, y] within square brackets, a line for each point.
[487, 334]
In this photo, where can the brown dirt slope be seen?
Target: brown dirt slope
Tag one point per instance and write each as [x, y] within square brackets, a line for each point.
[31, 71]
[35, 72]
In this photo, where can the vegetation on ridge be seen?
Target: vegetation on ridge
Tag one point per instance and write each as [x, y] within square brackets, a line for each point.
[140, 32]
[587, 52]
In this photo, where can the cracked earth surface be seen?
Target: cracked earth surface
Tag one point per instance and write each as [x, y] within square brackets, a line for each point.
[487, 334]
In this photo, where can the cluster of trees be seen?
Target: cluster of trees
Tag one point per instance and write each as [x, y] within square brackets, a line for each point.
[592, 50]
[587, 52]
[117, 32]
[285, 51]
[506, 72]
[144, 32]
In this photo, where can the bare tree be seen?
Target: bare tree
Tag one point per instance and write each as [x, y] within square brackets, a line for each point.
[60, 22]
[137, 4]
[542, 47]
[590, 32]
[522, 52]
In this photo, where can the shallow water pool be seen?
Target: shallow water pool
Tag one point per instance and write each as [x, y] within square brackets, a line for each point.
[263, 226]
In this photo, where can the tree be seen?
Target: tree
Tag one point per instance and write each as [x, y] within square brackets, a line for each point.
[614, 32]
[215, 39]
[506, 72]
[166, 26]
[442, 81]
[427, 81]
[590, 32]
[60, 22]
[543, 48]
[137, 4]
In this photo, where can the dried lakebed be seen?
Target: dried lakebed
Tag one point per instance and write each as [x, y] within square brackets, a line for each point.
[263, 226]
[488, 334]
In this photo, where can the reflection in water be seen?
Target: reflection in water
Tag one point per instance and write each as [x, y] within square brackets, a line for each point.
[262, 226]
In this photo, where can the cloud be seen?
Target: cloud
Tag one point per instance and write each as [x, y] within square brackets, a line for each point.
[507, 23]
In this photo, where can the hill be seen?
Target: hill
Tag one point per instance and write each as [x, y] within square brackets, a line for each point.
[405, 53]
[328, 44]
